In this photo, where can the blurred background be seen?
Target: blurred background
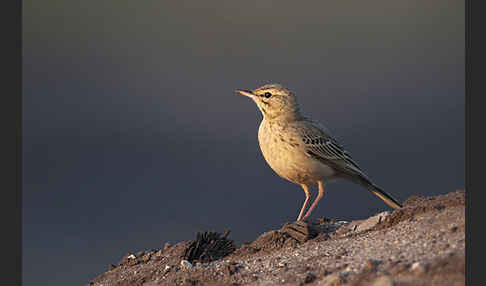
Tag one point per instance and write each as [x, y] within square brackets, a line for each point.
[133, 135]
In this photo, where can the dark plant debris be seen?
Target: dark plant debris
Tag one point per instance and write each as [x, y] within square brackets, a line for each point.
[209, 246]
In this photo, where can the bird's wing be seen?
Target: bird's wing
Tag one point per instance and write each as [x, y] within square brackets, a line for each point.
[321, 145]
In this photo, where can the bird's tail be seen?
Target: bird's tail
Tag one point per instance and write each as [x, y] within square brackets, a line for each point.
[364, 181]
[387, 198]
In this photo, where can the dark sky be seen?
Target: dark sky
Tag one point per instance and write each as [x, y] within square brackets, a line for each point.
[134, 136]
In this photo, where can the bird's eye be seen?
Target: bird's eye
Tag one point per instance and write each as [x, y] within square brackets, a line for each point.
[267, 94]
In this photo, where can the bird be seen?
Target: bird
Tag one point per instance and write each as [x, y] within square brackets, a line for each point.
[303, 151]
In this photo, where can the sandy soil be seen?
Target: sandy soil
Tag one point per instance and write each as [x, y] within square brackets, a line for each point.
[422, 243]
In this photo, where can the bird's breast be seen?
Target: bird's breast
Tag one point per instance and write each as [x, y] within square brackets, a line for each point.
[286, 156]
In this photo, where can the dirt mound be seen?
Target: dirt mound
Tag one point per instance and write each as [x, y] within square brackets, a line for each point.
[422, 243]
[291, 235]
[416, 205]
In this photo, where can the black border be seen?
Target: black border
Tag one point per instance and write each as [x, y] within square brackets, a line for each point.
[11, 119]
[471, 89]
[467, 94]
[467, 141]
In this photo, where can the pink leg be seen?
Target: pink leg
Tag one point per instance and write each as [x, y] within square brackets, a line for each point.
[318, 198]
[307, 195]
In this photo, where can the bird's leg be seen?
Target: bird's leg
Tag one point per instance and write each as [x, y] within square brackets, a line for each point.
[318, 198]
[307, 196]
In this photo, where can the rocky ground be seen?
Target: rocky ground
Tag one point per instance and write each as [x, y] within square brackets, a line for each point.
[422, 243]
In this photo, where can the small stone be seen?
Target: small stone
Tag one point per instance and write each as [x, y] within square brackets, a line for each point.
[132, 262]
[111, 267]
[146, 257]
[418, 268]
[383, 281]
[371, 222]
[310, 277]
[186, 264]
[128, 259]
[139, 254]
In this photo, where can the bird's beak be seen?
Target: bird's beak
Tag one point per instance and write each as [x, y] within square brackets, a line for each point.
[245, 93]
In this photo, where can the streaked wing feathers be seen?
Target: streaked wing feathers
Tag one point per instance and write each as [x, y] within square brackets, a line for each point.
[322, 145]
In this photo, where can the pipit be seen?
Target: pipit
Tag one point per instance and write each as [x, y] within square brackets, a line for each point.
[301, 150]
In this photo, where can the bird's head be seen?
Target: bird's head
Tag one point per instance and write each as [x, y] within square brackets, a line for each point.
[274, 101]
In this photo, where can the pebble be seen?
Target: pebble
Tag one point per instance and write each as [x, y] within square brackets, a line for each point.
[146, 257]
[186, 264]
[309, 278]
[418, 268]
